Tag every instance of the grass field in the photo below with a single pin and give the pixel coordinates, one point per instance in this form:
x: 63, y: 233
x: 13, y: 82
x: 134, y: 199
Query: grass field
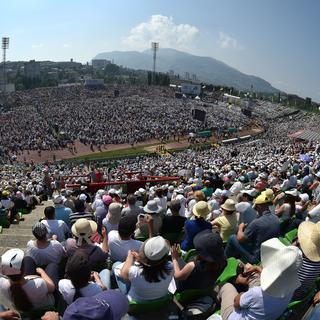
x: 114, y: 154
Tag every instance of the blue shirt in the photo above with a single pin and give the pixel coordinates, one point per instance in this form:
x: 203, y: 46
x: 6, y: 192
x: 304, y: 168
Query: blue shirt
x: 258, y: 305
x: 262, y: 229
x: 63, y: 213
x: 192, y: 228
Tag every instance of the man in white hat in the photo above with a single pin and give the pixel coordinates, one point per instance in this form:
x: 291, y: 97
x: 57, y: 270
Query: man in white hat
x: 279, y: 279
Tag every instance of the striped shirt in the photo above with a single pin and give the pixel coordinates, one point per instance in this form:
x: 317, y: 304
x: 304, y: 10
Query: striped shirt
x: 78, y: 215
x: 307, y: 274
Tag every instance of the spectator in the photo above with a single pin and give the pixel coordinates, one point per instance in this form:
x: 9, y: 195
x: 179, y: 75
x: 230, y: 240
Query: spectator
x: 248, y: 240
x: 55, y: 227
x: 61, y: 212
x: 193, y: 227
x: 227, y: 224
x: 22, y: 292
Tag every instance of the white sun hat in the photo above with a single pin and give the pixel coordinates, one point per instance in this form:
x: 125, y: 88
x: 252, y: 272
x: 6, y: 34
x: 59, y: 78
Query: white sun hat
x: 11, y: 262
x: 279, y: 276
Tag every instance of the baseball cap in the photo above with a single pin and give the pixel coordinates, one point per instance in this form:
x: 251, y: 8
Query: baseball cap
x: 11, y: 262
x: 107, y: 305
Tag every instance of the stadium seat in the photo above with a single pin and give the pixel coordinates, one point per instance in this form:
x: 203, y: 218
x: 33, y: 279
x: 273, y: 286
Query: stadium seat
x: 291, y: 235
x: 285, y: 241
x: 189, y: 295
x: 294, y: 306
x: 229, y: 271
x: 191, y: 253
x: 140, y: 307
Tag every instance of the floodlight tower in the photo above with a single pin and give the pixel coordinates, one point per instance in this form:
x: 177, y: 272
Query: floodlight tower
x: 154, y: 47
x: 5, y: 46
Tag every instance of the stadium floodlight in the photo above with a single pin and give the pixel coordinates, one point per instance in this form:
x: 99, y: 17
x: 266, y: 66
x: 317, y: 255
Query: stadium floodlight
x: 5, y: 46
x: 154, y: 47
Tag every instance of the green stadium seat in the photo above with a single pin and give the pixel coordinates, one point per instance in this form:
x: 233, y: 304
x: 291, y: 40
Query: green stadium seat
x: 140, y: 307
x: 189, y: 295
x: 229, y: 271
x: 191, y: 253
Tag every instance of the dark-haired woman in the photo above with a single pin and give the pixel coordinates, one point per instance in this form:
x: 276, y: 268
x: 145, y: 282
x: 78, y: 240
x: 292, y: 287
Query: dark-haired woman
x: 22, y: 291
x: 78, y: 282
x: 148, y: 273
x: 203, y: 271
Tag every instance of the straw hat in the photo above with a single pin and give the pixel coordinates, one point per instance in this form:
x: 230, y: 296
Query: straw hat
x: 83, y: 229
x: 279, y: 276
x: 201, y: 209
x: 229, y: 205
x: 309, y: 239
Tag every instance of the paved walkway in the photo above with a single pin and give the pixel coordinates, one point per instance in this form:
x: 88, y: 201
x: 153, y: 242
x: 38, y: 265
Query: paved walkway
x: 18, y: 235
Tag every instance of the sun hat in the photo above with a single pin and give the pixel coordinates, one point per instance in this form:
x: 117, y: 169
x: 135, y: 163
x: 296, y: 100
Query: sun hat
x: 250, y: 192
x: 83, y: 197
x: 101, y: 192
x: 83, y: 229
x: 111, y: 191
x: 229, y: 205
x: 106, y: 305
x: 11, y: 262
x: 269, y: 193
x: 106, y: 199
x: 262, y: 199
x: 39, y: 230
x: 209, y: 245
x: 279, y: 276
x: 82, y: 188
x: 217, y: 193
x: 57, y: 199
x: 309, y: 239
x: 6, y: 193
x: 114, y: 213
x: 293, y: 192
x: 201, y: 209
x: 152, y: 207
x: 141, y: 190
x: 304, y: 197
x: 153, y: 251
x: 180, y: 190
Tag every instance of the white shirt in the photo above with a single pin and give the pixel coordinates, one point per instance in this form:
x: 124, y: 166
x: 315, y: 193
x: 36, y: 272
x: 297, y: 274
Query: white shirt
x: 42, y: 257
x: 67, y: 290
x: 119, y: 248
x: 57, y: 227
x: 162, y: 202
x: 36, y: 289
x: 141, y: 290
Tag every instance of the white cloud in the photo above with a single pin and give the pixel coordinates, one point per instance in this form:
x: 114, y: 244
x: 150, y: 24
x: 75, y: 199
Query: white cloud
x: 66, y: 45
x: 161, y: 29
x: 36, y: 46
x: 227, y: 42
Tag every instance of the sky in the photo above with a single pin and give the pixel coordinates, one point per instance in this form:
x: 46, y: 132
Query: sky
x: 278, y: 40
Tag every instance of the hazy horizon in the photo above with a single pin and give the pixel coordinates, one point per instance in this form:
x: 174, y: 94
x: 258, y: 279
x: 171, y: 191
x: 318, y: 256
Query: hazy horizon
x: 274, y: 40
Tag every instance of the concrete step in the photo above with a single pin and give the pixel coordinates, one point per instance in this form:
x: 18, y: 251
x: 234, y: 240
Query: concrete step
x: 17, y: 232
x: 15, y: 241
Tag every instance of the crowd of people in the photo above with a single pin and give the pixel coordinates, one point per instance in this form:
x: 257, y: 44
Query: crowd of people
x: 54, y: 118
x: 170, y: 238
x: 249, y: 209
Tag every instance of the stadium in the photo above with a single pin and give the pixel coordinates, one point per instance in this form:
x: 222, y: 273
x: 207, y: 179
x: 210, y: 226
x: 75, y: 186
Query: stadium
x: 143, y: 193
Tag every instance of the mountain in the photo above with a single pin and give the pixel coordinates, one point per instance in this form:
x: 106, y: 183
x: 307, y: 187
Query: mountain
x: 206, y: 69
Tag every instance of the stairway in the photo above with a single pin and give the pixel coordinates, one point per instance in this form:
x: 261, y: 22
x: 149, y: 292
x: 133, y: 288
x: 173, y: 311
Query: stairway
x: 17, y: 235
